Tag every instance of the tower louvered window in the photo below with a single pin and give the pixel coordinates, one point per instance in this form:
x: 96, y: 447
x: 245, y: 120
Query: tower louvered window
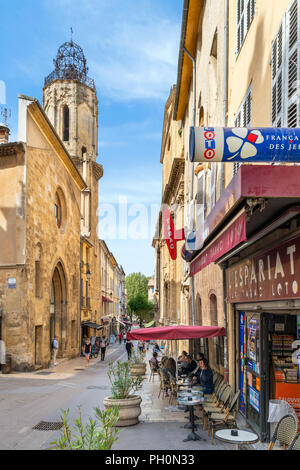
x: 285, y: 107
x: 245, y: 15
x: 243, y: 118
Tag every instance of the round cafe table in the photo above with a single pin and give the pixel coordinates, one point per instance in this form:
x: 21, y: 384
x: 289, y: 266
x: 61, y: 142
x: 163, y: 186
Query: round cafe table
x: 243, y: 437
x: 190, y: 404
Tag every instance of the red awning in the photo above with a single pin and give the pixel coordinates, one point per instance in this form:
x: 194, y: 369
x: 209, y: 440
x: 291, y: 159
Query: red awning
x: 106, y: 299
x: 176, y: 332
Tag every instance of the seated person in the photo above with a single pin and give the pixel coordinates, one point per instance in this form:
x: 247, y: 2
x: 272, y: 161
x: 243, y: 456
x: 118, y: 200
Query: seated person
x: 204, y: 377
x: 199, y: 357
x: 154, y: 361
x: 182, y: 360
x: 190, y: 366
x: 169, y: 368
x: 163, y: 361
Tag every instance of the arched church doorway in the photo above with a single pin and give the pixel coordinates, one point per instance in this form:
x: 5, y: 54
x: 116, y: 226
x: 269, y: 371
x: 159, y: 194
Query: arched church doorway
x: 58, y: 309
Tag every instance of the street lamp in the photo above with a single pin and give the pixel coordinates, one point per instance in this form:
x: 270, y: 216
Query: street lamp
x: 88, y: 274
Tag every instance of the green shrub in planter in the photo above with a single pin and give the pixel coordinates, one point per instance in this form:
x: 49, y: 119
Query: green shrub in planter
x: 99, y: 434
x: 123, y: 384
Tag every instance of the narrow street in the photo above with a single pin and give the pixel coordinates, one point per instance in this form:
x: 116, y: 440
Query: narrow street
x: 41, y: 395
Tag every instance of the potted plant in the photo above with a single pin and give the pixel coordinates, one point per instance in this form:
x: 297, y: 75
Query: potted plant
x: 123, y: 388
x: 96, y: 434
x: 137, y: 364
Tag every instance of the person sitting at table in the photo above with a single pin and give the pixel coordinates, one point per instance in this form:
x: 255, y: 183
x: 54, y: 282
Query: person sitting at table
x: 155, y: 361
x: 199, y: 357
x: 190, y: 366
x: 182, y: 362
x: 204, y: 377
x: 169, y: 368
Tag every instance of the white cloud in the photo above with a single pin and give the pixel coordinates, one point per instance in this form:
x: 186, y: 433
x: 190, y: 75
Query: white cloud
x: 132, y: 47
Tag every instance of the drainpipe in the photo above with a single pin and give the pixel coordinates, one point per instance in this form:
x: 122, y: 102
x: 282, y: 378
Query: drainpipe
x: 225, y: 97
x: 224, y: 265
x: 226, y: 372
x: 192, y: 177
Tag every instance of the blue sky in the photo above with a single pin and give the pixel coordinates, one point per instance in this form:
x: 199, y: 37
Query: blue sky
x: 132, y: 52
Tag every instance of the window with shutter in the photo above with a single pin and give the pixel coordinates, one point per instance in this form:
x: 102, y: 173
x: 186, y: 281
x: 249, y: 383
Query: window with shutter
x: 245, y: 15
x: 243, y: 119
x: 285, y: 107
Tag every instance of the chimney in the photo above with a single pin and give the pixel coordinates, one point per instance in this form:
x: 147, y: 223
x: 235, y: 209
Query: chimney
x: 4, y: 133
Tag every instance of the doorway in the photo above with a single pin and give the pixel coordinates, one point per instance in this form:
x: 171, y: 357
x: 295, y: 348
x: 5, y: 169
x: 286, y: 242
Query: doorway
x: 58, y: 310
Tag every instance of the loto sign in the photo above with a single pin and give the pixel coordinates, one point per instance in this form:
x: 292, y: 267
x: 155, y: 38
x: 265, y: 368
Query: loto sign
x: 220, y: 144
x: 270, y: 275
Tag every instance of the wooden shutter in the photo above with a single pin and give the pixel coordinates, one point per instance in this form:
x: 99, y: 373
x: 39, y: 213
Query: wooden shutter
x: 292, y: 64
x: 245, y: 14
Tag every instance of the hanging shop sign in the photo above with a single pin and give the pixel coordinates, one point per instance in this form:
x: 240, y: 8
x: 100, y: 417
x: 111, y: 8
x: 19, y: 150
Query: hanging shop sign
x: 229, y: 239
x: 271, y: 275
x: 172, y: 236
x: 219, y: 144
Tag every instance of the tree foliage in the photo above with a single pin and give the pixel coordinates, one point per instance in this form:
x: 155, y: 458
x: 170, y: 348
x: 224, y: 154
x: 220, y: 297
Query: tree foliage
x: 136, y: 283
x: 140, y: 306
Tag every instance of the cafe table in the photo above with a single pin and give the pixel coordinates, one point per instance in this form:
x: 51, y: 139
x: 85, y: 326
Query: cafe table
x: 190, y: 402
x: 243, y: 437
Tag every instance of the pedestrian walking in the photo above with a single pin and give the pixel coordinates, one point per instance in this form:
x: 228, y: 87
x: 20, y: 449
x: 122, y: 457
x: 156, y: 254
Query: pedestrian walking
x: 141, y: 346
x: 120, y: 338
x: 147, y: 344
x: 54, y: 349
x: 103, y: 344
x: 87, y: 349
x: 129, y: 348
x: 124, y: 338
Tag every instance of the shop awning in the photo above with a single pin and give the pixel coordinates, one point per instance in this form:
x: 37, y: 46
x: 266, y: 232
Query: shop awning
x: 263, y: 191
x: 231, y: 237
x: 151, y: 323
x: 92, y: 325
x: 106, y: 299
x: 176, y: 332
x: 107, y: 319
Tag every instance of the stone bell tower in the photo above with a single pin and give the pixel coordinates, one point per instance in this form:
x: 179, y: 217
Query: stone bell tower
x: 70, y: 102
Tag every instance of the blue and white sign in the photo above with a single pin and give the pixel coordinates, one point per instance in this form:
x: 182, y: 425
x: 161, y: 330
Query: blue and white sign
x: 220, y: 144
x: 254, y: 399
x: 12, y: 283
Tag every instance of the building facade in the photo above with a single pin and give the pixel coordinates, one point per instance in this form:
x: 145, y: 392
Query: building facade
x: 40, y: 230
x: 250, y: 51
x: 168, y: 279
x: 114, y: 302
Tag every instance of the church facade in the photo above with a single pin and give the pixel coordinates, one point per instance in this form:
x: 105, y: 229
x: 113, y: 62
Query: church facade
x: 50, y: 266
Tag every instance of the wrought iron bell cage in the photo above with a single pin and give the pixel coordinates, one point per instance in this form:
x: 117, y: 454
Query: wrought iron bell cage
x: 70, y: 64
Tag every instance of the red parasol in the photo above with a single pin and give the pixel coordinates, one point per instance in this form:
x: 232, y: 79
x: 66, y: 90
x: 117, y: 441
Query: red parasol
x: 176, y: 332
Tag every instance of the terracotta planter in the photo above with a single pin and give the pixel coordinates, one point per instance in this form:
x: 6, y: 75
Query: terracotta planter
x: 138, y: 369
x: 129, y: 409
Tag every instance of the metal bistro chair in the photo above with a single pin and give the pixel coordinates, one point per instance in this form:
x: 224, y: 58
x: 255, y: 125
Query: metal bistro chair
x: 218, y: 407
x: 163, y: 383
x: 295, y: 445
x: 214, y: 397
x: 227, y: 418
x: 153, y: 371
x: 285, y: 432
x: 173, y: 387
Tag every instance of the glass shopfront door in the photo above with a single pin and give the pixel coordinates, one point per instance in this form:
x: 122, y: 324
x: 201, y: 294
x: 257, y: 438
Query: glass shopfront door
x: 253, y: 363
